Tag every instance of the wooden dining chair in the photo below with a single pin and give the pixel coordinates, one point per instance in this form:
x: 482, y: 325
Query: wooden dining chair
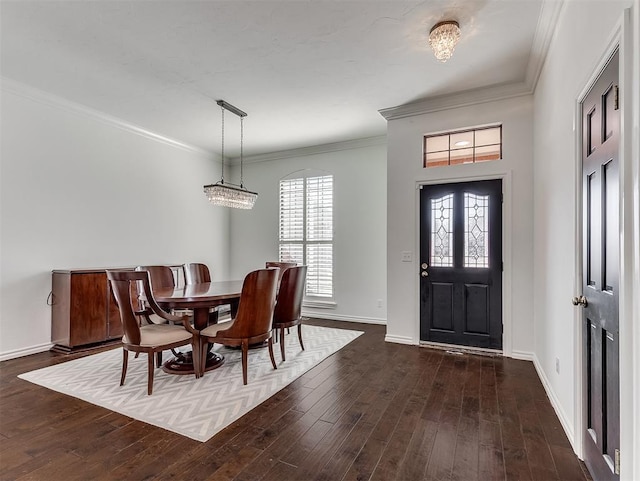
x: 195, y: 273
x: 150, y: 338
x: 160, y: 277
x: 287, y: 312
x: 252, y: 324
x: 283, y: 266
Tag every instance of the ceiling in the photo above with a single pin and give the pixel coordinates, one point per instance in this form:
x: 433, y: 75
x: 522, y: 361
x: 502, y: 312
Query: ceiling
x: 306, y: 72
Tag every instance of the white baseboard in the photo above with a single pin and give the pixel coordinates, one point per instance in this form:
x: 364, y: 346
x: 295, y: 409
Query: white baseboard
x: 522, y: 355
x: 557, y: 407
x: 5, y: 356
x: 340, y: 317
x: 400, y: 340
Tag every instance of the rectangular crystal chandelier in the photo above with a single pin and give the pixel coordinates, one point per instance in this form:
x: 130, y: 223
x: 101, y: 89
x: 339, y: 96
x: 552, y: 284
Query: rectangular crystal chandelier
x: 227, y: 194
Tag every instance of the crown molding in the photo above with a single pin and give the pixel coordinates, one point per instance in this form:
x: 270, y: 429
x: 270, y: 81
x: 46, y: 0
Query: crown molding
x: 26, y: 91
x: 545, y: 31
x: 458, y: 99
x: 314, y: 150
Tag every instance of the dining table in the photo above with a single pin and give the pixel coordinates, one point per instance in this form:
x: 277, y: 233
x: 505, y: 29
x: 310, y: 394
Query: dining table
x: 200, y: 298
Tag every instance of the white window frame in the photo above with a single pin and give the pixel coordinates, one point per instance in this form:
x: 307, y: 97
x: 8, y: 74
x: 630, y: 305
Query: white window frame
x: 318, y: 297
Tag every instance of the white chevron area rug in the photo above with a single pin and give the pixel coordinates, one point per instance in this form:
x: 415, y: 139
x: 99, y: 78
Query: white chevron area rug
x: 197, y: 408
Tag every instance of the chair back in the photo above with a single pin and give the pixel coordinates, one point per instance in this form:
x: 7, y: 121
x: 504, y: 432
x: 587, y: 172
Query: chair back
x: 283, y: 266
x: 289, y: 301
x: 195, y: 273
x: 257, y: 301
x: 160, y: 276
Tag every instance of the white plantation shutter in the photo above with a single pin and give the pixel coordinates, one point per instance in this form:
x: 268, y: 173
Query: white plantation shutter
x: 320, y: 270
x: 306, y: 230
x: 320, y: 208
x: 292, y: 210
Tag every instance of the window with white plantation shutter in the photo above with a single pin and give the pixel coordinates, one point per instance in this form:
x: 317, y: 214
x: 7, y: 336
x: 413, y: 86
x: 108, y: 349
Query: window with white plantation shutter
x: 306, y: 230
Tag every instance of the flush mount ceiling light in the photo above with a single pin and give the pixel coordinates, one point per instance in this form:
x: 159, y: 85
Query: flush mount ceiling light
x: 443, y: 39
x: 227, y: 194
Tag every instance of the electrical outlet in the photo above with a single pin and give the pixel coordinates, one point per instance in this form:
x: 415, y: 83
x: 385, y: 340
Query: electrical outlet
x: 379, y: 302
x: 557, y: 365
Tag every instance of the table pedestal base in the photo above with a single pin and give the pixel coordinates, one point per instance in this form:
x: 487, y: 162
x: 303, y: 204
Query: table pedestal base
x: 183, y: 363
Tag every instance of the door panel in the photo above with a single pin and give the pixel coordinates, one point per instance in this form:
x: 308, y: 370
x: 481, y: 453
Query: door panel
x: 476, y: 308
x: 601, y: 257
x: 461, y: 263
x: 594, y: 229
x: 442, y: 313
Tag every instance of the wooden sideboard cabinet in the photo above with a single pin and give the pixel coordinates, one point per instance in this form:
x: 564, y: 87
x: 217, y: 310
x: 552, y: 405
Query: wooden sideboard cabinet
x: 83, y: 310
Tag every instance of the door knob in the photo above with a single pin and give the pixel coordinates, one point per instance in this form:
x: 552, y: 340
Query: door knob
x: 424, y: 273
x: 579, y: 301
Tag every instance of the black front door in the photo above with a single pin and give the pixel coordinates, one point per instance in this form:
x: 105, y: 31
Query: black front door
x: 461, y: 263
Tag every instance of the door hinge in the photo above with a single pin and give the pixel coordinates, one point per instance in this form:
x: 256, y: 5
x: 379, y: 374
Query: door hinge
x: 616, y: 98
x: 617, y: 462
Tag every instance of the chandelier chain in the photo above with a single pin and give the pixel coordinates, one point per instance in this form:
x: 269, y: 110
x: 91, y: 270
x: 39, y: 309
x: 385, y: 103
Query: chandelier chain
x: 241, y: 149
x: 222, y: 148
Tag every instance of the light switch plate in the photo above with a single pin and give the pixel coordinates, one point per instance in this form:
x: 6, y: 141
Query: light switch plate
x: 407, y: 256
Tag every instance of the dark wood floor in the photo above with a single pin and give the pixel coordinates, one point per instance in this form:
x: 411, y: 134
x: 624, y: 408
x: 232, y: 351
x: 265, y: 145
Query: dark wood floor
x: 374, y: 410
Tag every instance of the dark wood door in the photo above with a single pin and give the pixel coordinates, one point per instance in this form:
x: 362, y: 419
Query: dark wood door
x: 601, y: 257
x: 461, y: 263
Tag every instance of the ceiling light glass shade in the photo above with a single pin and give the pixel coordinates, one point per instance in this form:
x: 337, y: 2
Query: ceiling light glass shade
x: 226, y: 195
x: 443, y: 39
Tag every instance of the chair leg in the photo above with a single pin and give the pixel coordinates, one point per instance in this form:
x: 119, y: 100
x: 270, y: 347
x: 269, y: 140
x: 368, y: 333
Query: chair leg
x: 300, y: 335
x: 150, y: 374
x: 159, y: 359
x: 203, y: 349
x: 273, y: 359
x: 125, y: 363
x: 282, y: 344
x: 195, y: 355
x: 245, y: 353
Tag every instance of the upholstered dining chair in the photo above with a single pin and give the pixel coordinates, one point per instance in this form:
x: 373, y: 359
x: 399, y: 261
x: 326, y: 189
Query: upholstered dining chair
x: 161, y: 277
x: 287, y: 312
x: 252, y: 323
x: 195, y: 273
x: 283, y: 266
x: 150, y: 338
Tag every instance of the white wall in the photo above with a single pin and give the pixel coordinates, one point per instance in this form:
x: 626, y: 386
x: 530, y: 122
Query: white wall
x: 359, y: 173
x: 405, y: 172
x: 78, y: 191
x: 581, y: 39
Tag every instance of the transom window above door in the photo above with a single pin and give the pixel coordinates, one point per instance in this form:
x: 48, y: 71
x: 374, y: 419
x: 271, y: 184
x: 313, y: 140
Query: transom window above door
x: 463, y: 146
